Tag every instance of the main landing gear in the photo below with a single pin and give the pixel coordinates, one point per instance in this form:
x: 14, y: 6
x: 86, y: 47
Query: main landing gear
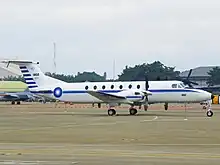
x: 166, y: 106
x: 13, y: 102
x: 132, y: 110
x: 112, y: 111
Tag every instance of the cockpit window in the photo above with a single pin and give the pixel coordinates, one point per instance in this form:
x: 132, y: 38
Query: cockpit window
x: 174, y: 85
x: 182, y: 85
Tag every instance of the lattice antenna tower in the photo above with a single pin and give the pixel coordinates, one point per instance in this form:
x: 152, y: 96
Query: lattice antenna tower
x: 54, y: 57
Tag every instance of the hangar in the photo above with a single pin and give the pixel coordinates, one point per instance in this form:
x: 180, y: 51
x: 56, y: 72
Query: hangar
x: 199, y: 75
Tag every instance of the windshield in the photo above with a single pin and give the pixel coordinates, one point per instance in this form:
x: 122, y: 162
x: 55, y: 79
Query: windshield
x: 183, y: 86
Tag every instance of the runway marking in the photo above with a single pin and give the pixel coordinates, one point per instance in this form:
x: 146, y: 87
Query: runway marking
x: 21, y: 162
x: 155, y: 118
x: 126, y: 153
x: 16, y: 162
x: 172, y: 120
x: 157, y: 155
x: 113, y: 123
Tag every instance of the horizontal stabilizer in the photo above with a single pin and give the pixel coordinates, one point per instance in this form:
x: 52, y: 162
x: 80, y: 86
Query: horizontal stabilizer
x: 17, y: 61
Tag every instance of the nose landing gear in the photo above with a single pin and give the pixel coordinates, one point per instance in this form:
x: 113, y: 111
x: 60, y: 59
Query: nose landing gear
x: 209, y: 112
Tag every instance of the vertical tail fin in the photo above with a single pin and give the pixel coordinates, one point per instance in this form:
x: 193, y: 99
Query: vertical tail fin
x: 33, y: 75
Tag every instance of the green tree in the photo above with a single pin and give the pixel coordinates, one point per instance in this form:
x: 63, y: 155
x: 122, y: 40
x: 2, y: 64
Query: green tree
x: 62, y: 77
x: 89, y: 76
x: 14, y: 78
x: 214, y: 78
x: 154, y: 71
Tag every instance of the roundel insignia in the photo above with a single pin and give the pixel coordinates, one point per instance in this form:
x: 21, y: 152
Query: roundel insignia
x: 57, y: 92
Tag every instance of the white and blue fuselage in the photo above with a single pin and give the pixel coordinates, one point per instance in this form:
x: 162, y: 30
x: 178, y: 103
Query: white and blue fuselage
x: 129, y: 92
x: 99, y: 92
x: 162, y: 91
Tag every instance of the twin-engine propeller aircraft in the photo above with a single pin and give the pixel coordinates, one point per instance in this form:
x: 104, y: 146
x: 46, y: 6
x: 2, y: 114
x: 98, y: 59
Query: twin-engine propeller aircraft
x: 134, y: 93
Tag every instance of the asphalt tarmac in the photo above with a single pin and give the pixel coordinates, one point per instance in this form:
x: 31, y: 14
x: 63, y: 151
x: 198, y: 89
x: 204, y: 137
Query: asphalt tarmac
x: 43, y: 134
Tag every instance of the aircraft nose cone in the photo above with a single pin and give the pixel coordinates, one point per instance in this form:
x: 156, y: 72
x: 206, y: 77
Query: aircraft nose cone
x: 207, y: 95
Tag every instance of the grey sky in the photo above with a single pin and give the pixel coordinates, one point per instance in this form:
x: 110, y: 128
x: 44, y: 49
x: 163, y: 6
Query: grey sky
x: 90, y: 33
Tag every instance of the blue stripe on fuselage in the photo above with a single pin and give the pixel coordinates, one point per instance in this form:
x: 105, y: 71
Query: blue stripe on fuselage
x: 116, y: 91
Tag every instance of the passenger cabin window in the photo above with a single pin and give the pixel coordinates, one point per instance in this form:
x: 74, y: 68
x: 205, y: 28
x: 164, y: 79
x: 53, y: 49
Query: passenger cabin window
x: 174, y: 85
x: 138, y: 86
x: 103, y: 87
x: 86, y: 87
x: 130, y: 86
x: 112, y: 86
x: 95, y: 87
x: 120, y: 86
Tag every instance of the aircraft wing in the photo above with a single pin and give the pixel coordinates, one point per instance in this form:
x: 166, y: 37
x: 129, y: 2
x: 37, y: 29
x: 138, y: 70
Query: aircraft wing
x: 106, y: 97
x: 9, y: 96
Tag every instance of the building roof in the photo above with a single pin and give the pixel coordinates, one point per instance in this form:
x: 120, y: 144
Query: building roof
x: 198, y: 72
x: 12, y: 70
x: 12, y: 86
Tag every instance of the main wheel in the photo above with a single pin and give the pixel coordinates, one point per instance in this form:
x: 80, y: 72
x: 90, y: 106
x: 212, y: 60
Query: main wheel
x: 209, y: 113
x: 133, y: 111
x: 166, y: 106
x: 99, y: 105
x: 145, y: 107
x: 111, y: 112
x: 18, y: 102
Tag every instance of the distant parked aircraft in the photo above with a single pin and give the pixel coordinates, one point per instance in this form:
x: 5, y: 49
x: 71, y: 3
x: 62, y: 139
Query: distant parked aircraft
x: 16, y: 97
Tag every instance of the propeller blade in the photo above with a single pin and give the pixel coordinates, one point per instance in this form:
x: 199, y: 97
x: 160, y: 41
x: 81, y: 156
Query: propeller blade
x: 190, y: 72
x: 194, y: 83
x: 146, y: 83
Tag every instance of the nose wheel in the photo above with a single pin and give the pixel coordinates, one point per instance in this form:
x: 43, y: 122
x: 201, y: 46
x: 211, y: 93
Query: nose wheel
x: 209, y: 113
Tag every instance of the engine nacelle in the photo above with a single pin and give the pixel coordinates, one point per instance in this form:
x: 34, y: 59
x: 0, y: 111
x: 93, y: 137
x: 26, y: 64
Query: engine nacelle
x: 133, y: 95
